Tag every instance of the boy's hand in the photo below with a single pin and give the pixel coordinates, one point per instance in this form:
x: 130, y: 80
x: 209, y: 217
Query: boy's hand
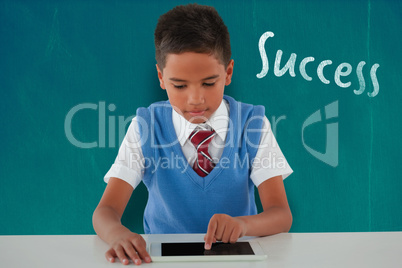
x: 127, y: 246
x: 224, y: 228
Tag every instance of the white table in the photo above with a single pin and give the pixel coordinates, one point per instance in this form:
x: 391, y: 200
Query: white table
x: 379, y: 250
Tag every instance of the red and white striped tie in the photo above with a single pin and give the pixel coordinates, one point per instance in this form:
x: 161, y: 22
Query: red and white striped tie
x: 204, y: 163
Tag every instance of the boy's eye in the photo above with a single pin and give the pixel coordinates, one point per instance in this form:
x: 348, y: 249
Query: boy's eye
x: 179, y: 86
x: 209, y: 84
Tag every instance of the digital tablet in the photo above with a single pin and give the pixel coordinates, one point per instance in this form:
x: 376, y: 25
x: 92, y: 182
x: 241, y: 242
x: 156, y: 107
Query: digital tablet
x: 194, y: 251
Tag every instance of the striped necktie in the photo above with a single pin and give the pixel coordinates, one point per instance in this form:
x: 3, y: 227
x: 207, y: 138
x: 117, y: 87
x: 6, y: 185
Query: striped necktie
x: 201, y: 139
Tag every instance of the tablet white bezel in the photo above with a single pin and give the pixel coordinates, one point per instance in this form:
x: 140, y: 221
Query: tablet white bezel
x: 155, y: 251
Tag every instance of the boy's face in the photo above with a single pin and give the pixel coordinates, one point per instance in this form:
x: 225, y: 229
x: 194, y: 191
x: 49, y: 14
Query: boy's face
x: 195, y: 83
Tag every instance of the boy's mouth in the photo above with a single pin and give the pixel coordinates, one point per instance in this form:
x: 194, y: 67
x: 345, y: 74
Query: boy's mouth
x: 197, y: 113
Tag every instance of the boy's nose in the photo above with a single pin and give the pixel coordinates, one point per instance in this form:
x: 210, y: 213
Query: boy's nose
x: 196, y: 97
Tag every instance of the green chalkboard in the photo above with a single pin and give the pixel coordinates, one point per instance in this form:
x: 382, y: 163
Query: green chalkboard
x: 73, y: 73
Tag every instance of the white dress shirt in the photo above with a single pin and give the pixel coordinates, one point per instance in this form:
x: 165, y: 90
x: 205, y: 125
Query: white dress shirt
x: 269, y: 161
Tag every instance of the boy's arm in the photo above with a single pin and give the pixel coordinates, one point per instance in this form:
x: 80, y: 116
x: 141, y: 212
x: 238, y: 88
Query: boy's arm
x: 107, y: 224
x: 275, y: 218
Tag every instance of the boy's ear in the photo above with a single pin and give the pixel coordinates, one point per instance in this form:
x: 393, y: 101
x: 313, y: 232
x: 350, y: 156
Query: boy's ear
x: 160, y: 77
x: 229, y: 73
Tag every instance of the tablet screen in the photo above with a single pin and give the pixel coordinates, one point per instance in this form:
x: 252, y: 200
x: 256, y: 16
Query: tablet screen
x: 197, y: 249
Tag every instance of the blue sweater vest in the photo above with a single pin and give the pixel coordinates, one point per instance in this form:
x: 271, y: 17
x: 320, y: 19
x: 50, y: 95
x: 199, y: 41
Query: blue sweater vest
x: 179, y: 200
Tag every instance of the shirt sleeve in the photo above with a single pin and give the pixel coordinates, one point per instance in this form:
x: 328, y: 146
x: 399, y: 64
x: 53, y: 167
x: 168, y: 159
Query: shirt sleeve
x: 129, y: 163
x: 269, y: 161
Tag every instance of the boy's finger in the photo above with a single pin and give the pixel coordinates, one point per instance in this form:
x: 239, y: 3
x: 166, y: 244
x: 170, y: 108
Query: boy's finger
x: 210, y: 236
x: 220, y: 231
x: 110, y: 255
x: 142, y: 252
x: 226, y: 235
x: 132, y: 254
x: 235, y: 235
x: 121, y: 255
x: 140, y: 246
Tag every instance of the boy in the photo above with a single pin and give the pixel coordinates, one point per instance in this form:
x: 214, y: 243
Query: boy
x: 199, y: 154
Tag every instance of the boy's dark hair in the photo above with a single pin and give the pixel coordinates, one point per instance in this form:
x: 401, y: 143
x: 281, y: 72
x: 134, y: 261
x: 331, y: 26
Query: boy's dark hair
x: 192, y: 28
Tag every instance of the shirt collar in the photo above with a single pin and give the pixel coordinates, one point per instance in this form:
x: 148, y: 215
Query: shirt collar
x: 219, y: 122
